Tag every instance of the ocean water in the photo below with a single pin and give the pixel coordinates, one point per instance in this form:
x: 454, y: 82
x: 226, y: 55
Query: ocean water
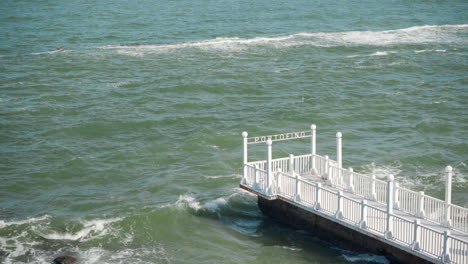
x: 125, y: 146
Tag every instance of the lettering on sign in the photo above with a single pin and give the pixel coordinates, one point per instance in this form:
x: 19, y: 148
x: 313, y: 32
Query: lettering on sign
x: 278, y: 137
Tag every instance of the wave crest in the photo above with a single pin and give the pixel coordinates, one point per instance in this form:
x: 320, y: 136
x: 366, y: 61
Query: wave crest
x: 412, y: 35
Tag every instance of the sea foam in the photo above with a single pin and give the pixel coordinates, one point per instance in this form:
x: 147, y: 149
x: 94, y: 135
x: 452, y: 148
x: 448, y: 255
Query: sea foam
x: 412, y: 35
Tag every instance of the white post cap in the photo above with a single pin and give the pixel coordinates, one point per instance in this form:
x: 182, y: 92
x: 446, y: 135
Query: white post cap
x: 391, y: 177
x: 448, y: 169
x: 245, y: 134
x: 313, y: 126
x: 269, y: 142
x: 338, y: 135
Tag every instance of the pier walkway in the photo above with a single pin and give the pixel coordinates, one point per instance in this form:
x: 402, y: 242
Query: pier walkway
x: 432, y: 229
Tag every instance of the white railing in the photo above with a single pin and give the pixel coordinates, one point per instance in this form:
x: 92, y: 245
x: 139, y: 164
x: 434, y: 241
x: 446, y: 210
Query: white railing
x: 415, y: 203
x: 351, y: 210
x: 376, y: 219
x: 308, y: 193
x: 459, y: 217
x: 434, y: 209
x: 431, y: 241
x: 286, y: 177
x: 280, y: 164
x: 458, y: 251
x: 302, y: 164
x: 412, y: 234
x: 403, y: 230
x: 409, y: 201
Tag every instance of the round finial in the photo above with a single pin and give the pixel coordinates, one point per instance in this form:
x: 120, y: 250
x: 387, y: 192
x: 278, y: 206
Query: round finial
x: 338, y: 135
x: 245, y: 134
x: 391, y: 177
x: 269, y: 142
x: 448, y: 169
x: 313, y: 127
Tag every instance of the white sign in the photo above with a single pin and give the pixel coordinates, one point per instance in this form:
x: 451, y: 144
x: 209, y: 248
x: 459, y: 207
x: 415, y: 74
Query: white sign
x: 279, y: 137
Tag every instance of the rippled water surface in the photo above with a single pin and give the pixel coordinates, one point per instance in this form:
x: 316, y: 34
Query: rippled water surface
x: 125, y: 146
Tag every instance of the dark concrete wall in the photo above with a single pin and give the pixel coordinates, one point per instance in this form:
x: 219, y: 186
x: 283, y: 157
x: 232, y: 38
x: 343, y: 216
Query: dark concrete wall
x: 334, y: 232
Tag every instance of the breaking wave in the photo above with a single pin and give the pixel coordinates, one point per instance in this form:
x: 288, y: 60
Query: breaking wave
x: 90, y: 229
x: 413, y: 35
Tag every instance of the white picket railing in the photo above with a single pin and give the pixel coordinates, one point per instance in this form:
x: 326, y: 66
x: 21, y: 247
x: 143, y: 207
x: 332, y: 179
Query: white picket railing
x: 415, y: 203
x: 290, y: 178
x: 459, y: 217
x: 410, y: 233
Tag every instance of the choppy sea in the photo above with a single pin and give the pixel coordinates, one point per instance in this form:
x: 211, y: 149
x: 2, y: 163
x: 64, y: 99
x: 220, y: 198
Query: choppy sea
x: 125, y: 145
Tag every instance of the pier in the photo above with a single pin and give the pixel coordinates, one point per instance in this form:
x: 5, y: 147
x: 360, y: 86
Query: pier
x: 318, y: 194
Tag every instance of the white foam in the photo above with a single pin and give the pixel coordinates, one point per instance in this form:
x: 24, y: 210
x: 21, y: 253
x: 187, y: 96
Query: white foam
x: 423, y: 51
x: 91, y: 229
x: 237, y: 176
x: 188, y: 201
x: 378, y: 53
x: 367, y: 257
x: 26, y: 221
x: 412, y: 35
x: 292, y: 248
x: 382, y: 53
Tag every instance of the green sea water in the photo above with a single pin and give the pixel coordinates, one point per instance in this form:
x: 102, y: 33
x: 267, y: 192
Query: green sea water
x: 125, y: 146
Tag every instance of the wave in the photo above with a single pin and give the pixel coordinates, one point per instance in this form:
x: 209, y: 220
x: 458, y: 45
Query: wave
x: 412, y: 35
x: 378, y: 53
x: 424, y: 51
x: 23, y: 222
x: 236, y: 176
x: 188, y: 201
x: 366, y: 258
x: 91, y: 229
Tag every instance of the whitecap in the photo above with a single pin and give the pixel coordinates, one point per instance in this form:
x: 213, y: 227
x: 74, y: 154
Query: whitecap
x: 26, y: 221
x: 412, y: 35
x: 91, y: 229
x: 424, y: 51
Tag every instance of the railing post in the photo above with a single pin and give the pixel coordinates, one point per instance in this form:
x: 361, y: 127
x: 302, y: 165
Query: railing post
x: 448, y: 195
x: 421, y: 212
x: 279, y: 181
x: 255, y: 178
x: 416, y: 235
x: 373, y: 195
x: 297, y: 197
x: 446, y: 250
x: 396, y: 198
x: 388, y: 233
x: 362, y: 223
x: 339, y: 210
x: 326, y: 174
x: 313, y: 127
x: 269, y: 168
x: 245, y: 160
x: 318, y: 195
x: 351, y: 180
x: 291, y: 164
x: 338, y: 149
